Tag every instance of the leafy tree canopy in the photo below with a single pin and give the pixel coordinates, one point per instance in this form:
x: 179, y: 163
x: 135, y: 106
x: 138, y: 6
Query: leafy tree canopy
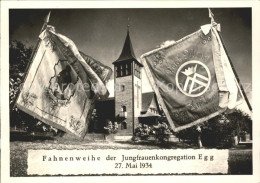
x: 19, y: 57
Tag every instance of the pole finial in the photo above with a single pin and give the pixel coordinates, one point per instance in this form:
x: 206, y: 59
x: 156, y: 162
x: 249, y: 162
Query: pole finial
x: 47, y: 18
x: 46, y: 21
x: 211, y: 16
x: 128, y: 23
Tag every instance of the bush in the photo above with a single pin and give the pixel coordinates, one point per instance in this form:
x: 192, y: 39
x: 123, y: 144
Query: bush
x: 219, y: 131
x: 19, y: 57
x: 189, y: 134
x: 161, y: 132
x: 216, y: 134
x: 143, y: 132
x: 110, y: 128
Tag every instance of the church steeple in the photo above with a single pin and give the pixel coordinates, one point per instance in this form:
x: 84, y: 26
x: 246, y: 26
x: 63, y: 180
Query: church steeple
x: 128, y: 91
x: 127, y: 52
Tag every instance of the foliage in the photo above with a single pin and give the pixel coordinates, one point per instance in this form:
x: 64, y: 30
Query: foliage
x: 218, y: 131
x: 19, y: 56
x: 161, y: 132
x: 110, y: 128
x: 241, y: 122
x: 189, y: 134
x: 143, y: 131
x: 240, y: 162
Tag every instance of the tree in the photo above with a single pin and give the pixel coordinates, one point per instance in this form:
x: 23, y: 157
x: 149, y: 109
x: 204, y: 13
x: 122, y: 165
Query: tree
x: 240, y: 122
x: 219, y: 131
x: 19, y: 57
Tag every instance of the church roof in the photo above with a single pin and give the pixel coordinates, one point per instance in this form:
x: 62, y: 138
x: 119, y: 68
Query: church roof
x: 146, y: 100
x: 149, y: 114
x: 127, y: 52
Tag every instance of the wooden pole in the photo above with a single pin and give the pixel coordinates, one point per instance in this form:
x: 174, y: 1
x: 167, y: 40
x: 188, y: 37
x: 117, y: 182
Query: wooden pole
x: 199, y: 137
x: 35, y: 49
x: 235, y: 73
x: 213, y: 23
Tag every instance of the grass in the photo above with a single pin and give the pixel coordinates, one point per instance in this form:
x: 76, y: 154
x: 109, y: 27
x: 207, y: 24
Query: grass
x: 240, y: 160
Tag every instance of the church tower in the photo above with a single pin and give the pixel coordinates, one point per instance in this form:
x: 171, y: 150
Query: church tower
x: 128, y: 91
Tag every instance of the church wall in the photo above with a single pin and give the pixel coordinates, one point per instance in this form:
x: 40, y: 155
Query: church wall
x: 137, y: 99
x: 124, y: 98
x: 105, y: 111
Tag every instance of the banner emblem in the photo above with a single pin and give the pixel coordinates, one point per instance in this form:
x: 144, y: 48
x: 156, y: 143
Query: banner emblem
x: 193, y: 78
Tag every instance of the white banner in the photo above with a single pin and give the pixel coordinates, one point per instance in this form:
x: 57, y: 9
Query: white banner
x: 96, y: 162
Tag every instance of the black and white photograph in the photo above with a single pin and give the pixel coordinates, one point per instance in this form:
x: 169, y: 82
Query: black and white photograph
x: 116, y: 91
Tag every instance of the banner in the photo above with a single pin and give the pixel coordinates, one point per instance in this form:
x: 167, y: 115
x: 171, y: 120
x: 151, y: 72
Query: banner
x: 61, y: 87
x: 192, y: 78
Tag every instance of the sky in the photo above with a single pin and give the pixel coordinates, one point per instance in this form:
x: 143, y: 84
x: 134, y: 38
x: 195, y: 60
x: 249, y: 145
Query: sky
x: 100, y: 33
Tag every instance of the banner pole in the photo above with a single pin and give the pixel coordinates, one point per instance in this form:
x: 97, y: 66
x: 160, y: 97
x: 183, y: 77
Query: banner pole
x: 35, y: 48
x: 213, y: 23
x: 236, y: 75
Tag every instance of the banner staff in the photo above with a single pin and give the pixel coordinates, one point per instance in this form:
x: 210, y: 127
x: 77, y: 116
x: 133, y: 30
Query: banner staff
x: 213, y: 23
x: 35, y: 48
x: 211, y: 16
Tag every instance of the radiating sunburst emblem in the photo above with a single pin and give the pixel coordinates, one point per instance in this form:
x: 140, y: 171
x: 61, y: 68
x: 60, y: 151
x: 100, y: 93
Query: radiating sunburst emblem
x: 193, y: 78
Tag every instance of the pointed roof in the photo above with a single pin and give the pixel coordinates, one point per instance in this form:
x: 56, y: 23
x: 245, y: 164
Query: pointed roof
x: 146, y: 100
x: 127, y: 51
x: 149, y: 114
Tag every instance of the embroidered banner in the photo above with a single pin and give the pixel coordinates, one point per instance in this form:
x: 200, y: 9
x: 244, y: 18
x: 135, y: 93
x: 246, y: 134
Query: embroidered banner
x: 192, y: 78
x: 61, y: 87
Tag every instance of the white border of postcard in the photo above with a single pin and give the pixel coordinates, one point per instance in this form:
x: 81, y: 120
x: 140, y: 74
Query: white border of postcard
x: 5, y: 162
